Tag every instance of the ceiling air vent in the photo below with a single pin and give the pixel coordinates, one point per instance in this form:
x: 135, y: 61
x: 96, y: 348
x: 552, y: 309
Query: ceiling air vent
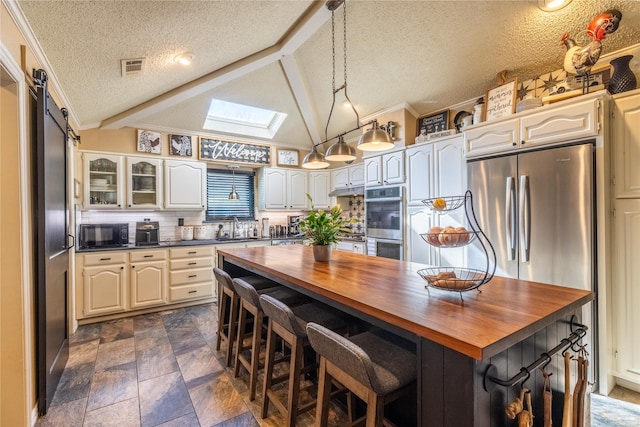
x: 132, y: 67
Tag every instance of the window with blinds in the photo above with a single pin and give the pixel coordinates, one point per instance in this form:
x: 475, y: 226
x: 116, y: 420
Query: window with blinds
x: 218, y: 188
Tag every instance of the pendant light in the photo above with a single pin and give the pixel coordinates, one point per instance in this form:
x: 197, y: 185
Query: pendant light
x: 341, y: 151
x: 314, y: 160
x: 233, y: 195
x: 375, y: 139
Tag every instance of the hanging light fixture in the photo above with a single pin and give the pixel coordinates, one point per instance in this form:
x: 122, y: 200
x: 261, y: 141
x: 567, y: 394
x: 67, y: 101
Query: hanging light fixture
x: 314, y: 160
x: 374, y: 139
x: 233, y: 195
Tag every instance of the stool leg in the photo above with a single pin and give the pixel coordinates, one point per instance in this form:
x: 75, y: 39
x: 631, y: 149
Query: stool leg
x: 242, y: 323
x: 221, y: 309
x: 295, y: 365
x: 255, y: 354
x: 324, y: 394
x: 233, y: 322
x: 268, y: 368
x: 375, y: 410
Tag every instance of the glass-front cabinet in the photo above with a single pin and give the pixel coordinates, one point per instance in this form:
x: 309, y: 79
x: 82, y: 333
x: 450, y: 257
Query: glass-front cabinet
x: 103, y: 181
x: 144, y: 183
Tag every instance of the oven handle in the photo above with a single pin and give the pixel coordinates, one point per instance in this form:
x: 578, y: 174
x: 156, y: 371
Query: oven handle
x: 383, y: 199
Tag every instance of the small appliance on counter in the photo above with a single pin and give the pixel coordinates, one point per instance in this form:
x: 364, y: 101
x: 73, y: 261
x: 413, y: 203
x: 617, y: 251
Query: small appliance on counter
x: 265, y: 227
x: 96, y: 236
x: 186, y: 232
x: 294, y: 224
x: 200, y: 232
x: 147, y: 233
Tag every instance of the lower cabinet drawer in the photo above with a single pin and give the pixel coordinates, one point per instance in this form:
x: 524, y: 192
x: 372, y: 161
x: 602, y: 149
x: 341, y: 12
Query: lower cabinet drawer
x: 193, y: 275
x: 194, y: 291
x: 191, y: 263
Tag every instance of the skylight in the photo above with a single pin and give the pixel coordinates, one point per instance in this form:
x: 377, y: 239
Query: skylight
x: 241, y: 119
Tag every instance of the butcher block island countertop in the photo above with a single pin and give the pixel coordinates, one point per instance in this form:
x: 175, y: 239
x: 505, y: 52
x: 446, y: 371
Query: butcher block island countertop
x: 481, y: 326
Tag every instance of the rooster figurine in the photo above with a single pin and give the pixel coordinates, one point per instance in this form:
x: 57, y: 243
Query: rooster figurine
x: 578, y: 59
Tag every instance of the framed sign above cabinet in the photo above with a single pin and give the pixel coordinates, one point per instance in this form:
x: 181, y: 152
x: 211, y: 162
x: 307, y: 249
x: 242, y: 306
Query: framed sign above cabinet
x: 287, y: 157
x: 234, y: 151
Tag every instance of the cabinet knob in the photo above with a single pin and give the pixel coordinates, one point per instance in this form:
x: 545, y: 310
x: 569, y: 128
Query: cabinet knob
x: 121, y: 268
x: 513, y: 143
x: 119, y: 206
x: 133, y: 266
x: 129, y: 205
x: 522, y: 142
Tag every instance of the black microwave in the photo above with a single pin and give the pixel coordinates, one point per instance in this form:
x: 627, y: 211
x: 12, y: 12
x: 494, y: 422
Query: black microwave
x: 94, y: 236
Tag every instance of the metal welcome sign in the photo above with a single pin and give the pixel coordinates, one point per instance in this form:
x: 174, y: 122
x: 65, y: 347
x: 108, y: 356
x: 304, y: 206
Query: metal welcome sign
x: 233, y: 151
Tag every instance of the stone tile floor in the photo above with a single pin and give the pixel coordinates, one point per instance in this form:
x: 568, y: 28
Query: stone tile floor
x: 158, y: 369
x: 162, y: 369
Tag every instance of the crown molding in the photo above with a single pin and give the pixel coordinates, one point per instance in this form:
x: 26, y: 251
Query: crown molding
x: 16, y: 13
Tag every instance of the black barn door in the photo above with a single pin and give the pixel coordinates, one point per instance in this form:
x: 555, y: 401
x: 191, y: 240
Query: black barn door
x: 52, y: 250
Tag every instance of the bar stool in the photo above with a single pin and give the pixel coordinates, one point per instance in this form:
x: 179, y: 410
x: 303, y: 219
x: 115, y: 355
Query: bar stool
x: 375, y: 369
x: 230, y: 302
x: 250, y: 305
x: 289, y: 324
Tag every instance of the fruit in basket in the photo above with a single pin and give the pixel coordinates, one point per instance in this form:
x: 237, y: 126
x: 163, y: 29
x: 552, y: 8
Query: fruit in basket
x: 433, y: 236
x: 448, y: 236
x: 463, y: 235
x: 439, y: 204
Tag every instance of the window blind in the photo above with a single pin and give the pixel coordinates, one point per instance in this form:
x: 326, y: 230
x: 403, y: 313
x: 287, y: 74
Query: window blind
x: 218, y: 188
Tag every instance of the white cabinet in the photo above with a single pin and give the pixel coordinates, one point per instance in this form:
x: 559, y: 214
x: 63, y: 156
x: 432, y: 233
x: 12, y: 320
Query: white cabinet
x: 144, y: 183
x: 348, y: 176
x: 434, y: 170
x: 559, y: 124
x: 419, y: 221
x: 148, y: 278
x: 626, y: 146
x: 191, y: 273
x: 103, y: 181
x: 419, y: 160
x: 283, y: 189
x: 319, y: 188
x: 185, y: 185
x: 385, y: 169
x: 626, y: 289
x: 104, y: 281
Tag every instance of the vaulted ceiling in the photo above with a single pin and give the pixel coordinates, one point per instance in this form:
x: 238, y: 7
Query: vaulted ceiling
x: 277, y: 55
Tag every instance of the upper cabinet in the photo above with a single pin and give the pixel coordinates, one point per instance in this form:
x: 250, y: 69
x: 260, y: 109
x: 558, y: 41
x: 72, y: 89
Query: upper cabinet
x: 144, y: 183
x: 319, y: 188
x: 626, y: 146
x: 384, y: 169
x: 103, y: 181
x: 552, y: 125
x: 348, y: 176
x: 185, y: 185
x: 419, y: 159
x: 283, y: 189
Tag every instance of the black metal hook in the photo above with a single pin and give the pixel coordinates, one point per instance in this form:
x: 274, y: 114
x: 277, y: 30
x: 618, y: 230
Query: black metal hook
x: 548, y: 360
x: 526, y: 370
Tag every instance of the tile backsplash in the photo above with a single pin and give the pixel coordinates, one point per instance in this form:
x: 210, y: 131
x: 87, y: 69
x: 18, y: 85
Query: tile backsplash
x: 168, y: 221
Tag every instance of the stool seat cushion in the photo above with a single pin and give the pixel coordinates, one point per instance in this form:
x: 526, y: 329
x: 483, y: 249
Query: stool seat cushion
x: 380, y: 361
x: 295, y: 318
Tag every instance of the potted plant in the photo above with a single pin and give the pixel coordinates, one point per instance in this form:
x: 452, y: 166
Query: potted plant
x: 322, y: 228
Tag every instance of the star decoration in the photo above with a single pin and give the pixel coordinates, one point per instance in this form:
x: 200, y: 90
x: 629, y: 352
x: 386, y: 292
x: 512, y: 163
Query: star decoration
x: 550, y: 82
x: 523, y: 91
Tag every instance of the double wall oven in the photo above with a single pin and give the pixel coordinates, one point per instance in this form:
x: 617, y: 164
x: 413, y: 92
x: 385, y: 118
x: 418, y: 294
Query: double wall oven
x: 384, y: 210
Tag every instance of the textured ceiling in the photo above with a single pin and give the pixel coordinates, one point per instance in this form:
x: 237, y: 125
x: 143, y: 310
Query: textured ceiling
x: 431, y: 54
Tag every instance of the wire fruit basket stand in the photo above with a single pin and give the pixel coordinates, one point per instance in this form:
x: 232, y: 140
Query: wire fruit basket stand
x: 458, y: 279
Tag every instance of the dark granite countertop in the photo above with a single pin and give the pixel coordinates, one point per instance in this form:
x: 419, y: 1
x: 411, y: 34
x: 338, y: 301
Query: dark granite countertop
x: 179, y: 243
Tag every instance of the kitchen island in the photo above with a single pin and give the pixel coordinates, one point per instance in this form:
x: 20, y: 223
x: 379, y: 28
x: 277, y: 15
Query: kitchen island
x: 508, y: 324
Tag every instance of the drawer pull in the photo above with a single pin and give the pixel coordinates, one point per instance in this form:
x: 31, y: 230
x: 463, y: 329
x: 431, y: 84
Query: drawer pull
x: 191, y: 276
x: 192, y: 263
x: 192, y: 252
x: 193, y: 292
x: 148, y: 256
x: 105, y: 259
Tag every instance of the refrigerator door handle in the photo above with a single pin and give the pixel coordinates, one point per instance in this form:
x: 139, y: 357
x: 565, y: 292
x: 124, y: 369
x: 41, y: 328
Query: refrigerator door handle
x: 525, y: 218
x: 510, y: 217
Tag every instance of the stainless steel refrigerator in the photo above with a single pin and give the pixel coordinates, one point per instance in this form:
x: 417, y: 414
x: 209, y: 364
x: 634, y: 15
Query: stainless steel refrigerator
x: 537, y: 210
